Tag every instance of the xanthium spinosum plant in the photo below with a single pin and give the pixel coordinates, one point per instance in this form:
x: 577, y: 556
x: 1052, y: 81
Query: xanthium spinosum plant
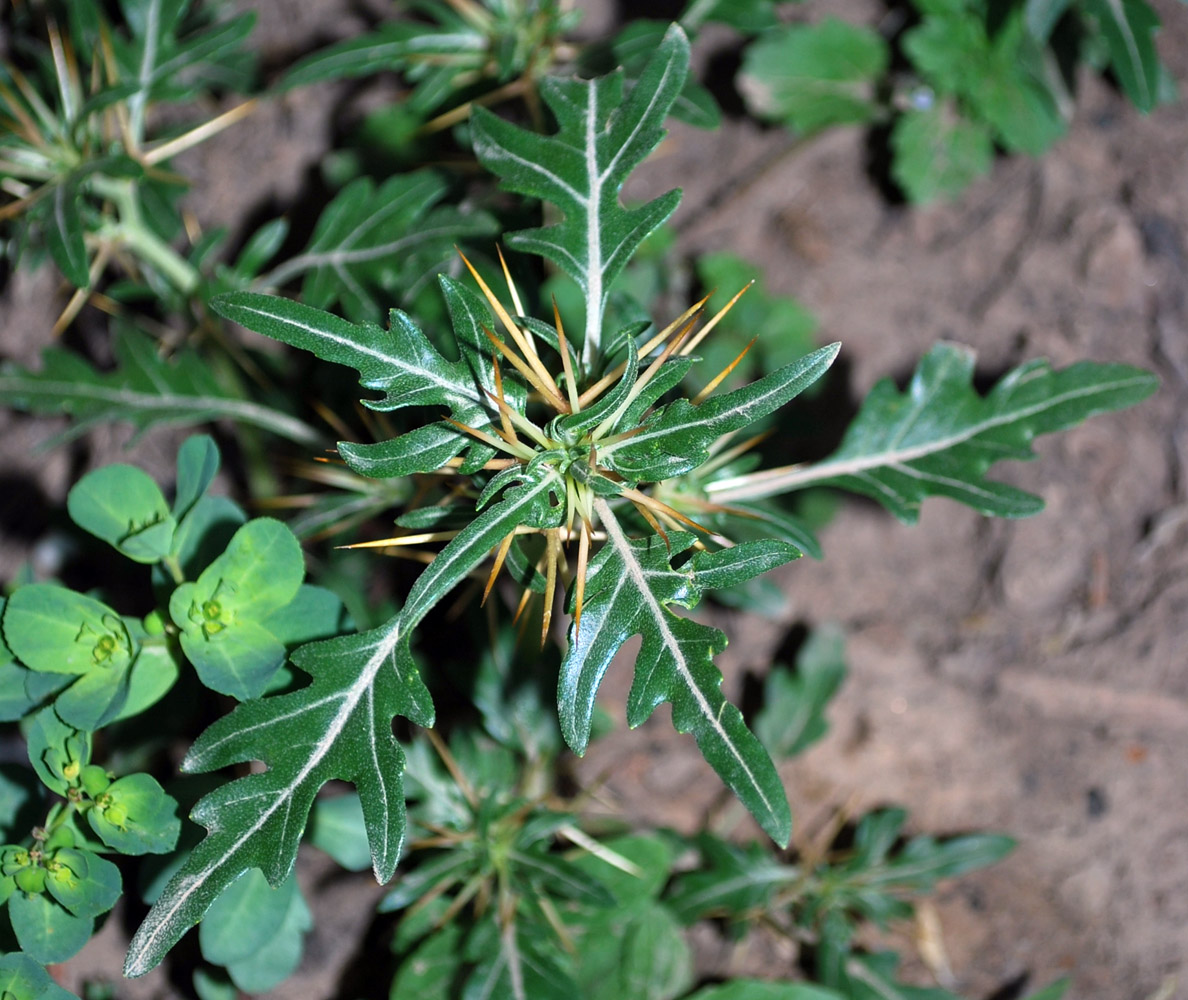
x: 570, y: 463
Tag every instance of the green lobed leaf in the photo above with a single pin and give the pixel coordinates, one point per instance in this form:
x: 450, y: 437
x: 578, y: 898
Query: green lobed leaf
x: 630, y: 584
x: 340, y: 726
x: 447, y: 867
x: 124, y: 507
x: 634, y: 45
x: 731, y: 881
x: 143, y: 389
x: 389, y: 48
x: 164, y: 63
x: 937, y: 153
x: 940, y: 436
x: 375, y: 246
x: 545, y: 874
x: 814, y: 76
x: 516, y: 963
x: 677, y: 440
x: 400, y: 362
x: 793, y: 714
x: 600, y: 138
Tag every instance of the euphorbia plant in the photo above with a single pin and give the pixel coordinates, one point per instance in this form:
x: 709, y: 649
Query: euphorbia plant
x: 563, y: 455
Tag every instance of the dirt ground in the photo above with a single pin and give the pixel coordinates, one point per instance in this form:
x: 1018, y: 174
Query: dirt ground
x: 1025, y: 677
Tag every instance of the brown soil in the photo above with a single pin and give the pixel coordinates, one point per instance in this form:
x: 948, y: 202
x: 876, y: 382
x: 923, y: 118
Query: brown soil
x: 1026, y: 677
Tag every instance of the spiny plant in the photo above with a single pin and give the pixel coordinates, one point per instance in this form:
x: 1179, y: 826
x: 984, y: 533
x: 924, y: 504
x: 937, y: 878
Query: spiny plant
x: 84, y: 169
x: 555, y: 440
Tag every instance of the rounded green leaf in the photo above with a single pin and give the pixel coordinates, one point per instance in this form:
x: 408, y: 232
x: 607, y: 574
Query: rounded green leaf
x: 239, y: 660
x: 135, y: 816
x: 938, y: 154
x: 94, y: 699
x: 83, y: 882
x: 197, y: 464
x: 15, y: 701
x: 220, y: 614
x: 21, y: 977
x: 280, y: 956
x: 244, y: 918
x: 46, y: 930
x: 56, y: 630
x: 122, y: 505
x: 153, y: 673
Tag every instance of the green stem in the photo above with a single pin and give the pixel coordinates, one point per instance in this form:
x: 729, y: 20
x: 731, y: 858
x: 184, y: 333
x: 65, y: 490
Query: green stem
x: 173, y: 565
x: 134, y: 233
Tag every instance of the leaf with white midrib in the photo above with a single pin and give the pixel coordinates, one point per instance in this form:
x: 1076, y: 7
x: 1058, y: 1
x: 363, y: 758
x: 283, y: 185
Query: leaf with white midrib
x: 679, y: 438
x: 630, y: 585
x: 581, y: 169
x: 144, y: 389
x: 372, y: 243
x: 940, y: 437
x: 399, y: 361
x: 339, y: 727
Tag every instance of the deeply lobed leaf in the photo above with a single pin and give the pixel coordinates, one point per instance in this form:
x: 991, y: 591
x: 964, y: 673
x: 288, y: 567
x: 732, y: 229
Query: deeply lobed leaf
x: 940, y: 437
x: 630, y: 585
x: 339, y: 727
x: 600, y: 138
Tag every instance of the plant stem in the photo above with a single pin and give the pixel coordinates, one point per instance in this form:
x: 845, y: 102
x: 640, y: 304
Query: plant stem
x: 173, y: 565
x: 133, y: 233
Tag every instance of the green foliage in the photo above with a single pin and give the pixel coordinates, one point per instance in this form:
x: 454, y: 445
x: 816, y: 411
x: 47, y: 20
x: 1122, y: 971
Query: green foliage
x: 980, y: 76
x: 815, y: 76
x: 23, y: 979
x: 940, y: 437
x: 81, y: 666
x: 601, y: 137
x: 792, y: 717
x: 587, y: 462
x: 777, y: 329
x: 144, y: 389
x: 371, y: 246
x: 82, y: 188
x: 256, y: 931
